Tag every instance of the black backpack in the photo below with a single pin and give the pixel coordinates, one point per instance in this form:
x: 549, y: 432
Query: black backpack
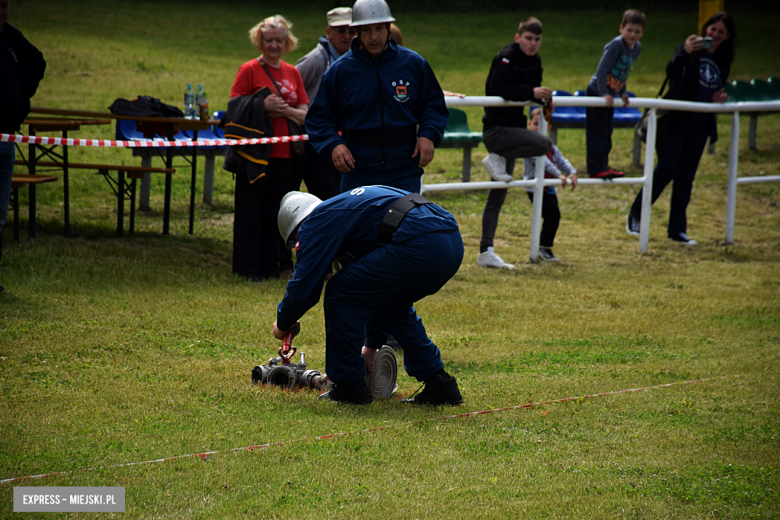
x: 144, y: 106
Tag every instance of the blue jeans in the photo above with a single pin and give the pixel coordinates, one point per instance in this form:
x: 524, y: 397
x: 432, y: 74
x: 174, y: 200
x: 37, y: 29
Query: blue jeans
x: 7, y: 159
x: 375, y: 295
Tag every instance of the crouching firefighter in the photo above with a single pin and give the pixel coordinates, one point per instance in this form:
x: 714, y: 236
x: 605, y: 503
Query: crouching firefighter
x: 395, y: 248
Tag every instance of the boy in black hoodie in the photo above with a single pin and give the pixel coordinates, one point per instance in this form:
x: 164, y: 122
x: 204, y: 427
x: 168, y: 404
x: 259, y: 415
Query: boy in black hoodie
x: 515, y: 75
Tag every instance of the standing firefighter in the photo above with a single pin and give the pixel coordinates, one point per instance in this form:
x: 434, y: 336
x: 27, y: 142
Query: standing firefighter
x: 396, y: 248
x: 385, y: 101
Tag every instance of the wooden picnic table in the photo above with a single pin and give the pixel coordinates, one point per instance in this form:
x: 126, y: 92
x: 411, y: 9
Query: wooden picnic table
x: 48, y: 124
x: 172, y: 124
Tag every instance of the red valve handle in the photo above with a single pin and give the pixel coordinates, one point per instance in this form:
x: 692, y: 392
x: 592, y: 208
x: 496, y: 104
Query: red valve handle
x: 286, y: 351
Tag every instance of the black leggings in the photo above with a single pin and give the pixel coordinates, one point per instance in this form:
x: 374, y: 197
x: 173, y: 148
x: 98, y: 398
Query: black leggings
x: 678, y: 160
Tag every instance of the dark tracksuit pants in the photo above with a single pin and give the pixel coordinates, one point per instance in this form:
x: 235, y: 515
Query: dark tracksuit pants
x: 258, y: 248
x: 551, y: 217
x: 598, y: 135
x: 375, y: 295
x: 678, y: 160
x: 510, y: 143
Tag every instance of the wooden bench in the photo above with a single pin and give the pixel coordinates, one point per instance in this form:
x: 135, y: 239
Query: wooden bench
x: 124, y: 186
x: 62, y: 125
x: 20, y: 181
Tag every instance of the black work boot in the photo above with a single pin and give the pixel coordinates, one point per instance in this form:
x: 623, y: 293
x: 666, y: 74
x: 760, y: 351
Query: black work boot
x: 351, y: 393
x: 440, y: 388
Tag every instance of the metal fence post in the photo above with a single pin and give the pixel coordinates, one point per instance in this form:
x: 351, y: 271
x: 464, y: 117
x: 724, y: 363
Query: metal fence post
x: 536, y: 214
x: 647, y: 189
x: 731, y: 197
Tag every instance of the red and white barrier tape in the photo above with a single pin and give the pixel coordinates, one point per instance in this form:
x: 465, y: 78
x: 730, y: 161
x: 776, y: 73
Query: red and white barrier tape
x: 204, y: 455
x: 146, y: 143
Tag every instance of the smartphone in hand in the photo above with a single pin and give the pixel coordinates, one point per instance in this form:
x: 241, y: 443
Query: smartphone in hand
x: 706, y: 42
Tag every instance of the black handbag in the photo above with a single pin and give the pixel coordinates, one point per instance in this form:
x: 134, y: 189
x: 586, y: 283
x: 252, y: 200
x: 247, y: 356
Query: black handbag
x: 297, y: 148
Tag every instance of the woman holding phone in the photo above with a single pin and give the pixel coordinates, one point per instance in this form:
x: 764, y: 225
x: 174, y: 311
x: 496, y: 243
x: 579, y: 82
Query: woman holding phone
x: 697, y: 72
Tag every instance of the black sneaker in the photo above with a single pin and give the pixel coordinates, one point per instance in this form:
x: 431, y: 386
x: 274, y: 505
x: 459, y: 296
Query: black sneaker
x: 441, y: 388
x: 683, y: 239
x: 546, y: 254
x: 632, y: 225
x: 351, y: 393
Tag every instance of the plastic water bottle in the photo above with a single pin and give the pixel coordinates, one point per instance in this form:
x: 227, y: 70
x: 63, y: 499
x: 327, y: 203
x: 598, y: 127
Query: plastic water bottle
x: 189, y: 99
x: 198, y: 99
x: 204, y: 107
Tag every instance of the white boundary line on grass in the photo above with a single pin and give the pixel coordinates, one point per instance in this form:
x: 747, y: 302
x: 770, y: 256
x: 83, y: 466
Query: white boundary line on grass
x: 204, y: 455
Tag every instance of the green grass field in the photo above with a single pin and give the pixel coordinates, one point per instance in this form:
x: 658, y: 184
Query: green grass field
x: 115, y: 351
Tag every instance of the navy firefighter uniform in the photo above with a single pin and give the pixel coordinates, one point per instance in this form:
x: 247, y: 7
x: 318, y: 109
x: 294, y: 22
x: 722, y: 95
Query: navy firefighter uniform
x: 375, y: 292
x: 381, y: 107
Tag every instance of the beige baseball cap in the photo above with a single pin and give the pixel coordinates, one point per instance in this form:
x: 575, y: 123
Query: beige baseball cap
x: 339, y: 16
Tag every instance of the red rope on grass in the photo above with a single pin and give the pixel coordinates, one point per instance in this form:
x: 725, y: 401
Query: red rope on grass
x: 204, y: 455
x: 146, y: 143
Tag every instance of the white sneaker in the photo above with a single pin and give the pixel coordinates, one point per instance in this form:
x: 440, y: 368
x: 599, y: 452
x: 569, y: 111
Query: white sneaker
x: 490, y: 259
x: 496, y: 167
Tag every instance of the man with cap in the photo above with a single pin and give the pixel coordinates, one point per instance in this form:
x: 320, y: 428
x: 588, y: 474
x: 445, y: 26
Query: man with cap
x: 379, y: 111
x: 395, y: 248
x: 321, y: 177
x: 335, y: 43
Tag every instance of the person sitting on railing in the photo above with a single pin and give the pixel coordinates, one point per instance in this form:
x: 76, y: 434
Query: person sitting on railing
x: 697, y: 72
x: 515, y: 75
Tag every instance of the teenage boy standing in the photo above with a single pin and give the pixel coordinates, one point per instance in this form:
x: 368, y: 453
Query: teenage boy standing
x: 515, y: 75
x: 609, y: 82
x: 321, y: 177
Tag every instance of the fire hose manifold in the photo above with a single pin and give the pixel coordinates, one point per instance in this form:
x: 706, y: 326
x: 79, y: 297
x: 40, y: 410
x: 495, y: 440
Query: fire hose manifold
x: 283, y: 373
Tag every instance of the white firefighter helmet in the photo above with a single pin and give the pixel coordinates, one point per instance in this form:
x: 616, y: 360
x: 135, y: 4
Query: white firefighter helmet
x: 366, y: 12
x: 295, y: 207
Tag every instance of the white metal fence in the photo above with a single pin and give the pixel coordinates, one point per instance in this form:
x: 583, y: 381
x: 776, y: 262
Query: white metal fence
x: 646, y: 180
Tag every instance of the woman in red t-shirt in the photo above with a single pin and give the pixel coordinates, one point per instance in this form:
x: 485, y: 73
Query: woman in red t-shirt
x: 258, y: 250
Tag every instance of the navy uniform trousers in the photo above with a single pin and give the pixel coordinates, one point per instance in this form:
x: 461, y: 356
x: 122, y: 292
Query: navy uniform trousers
x: 375, y: 295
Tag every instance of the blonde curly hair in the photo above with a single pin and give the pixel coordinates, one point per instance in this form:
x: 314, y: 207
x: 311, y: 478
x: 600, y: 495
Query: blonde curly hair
x: 273, y: 22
